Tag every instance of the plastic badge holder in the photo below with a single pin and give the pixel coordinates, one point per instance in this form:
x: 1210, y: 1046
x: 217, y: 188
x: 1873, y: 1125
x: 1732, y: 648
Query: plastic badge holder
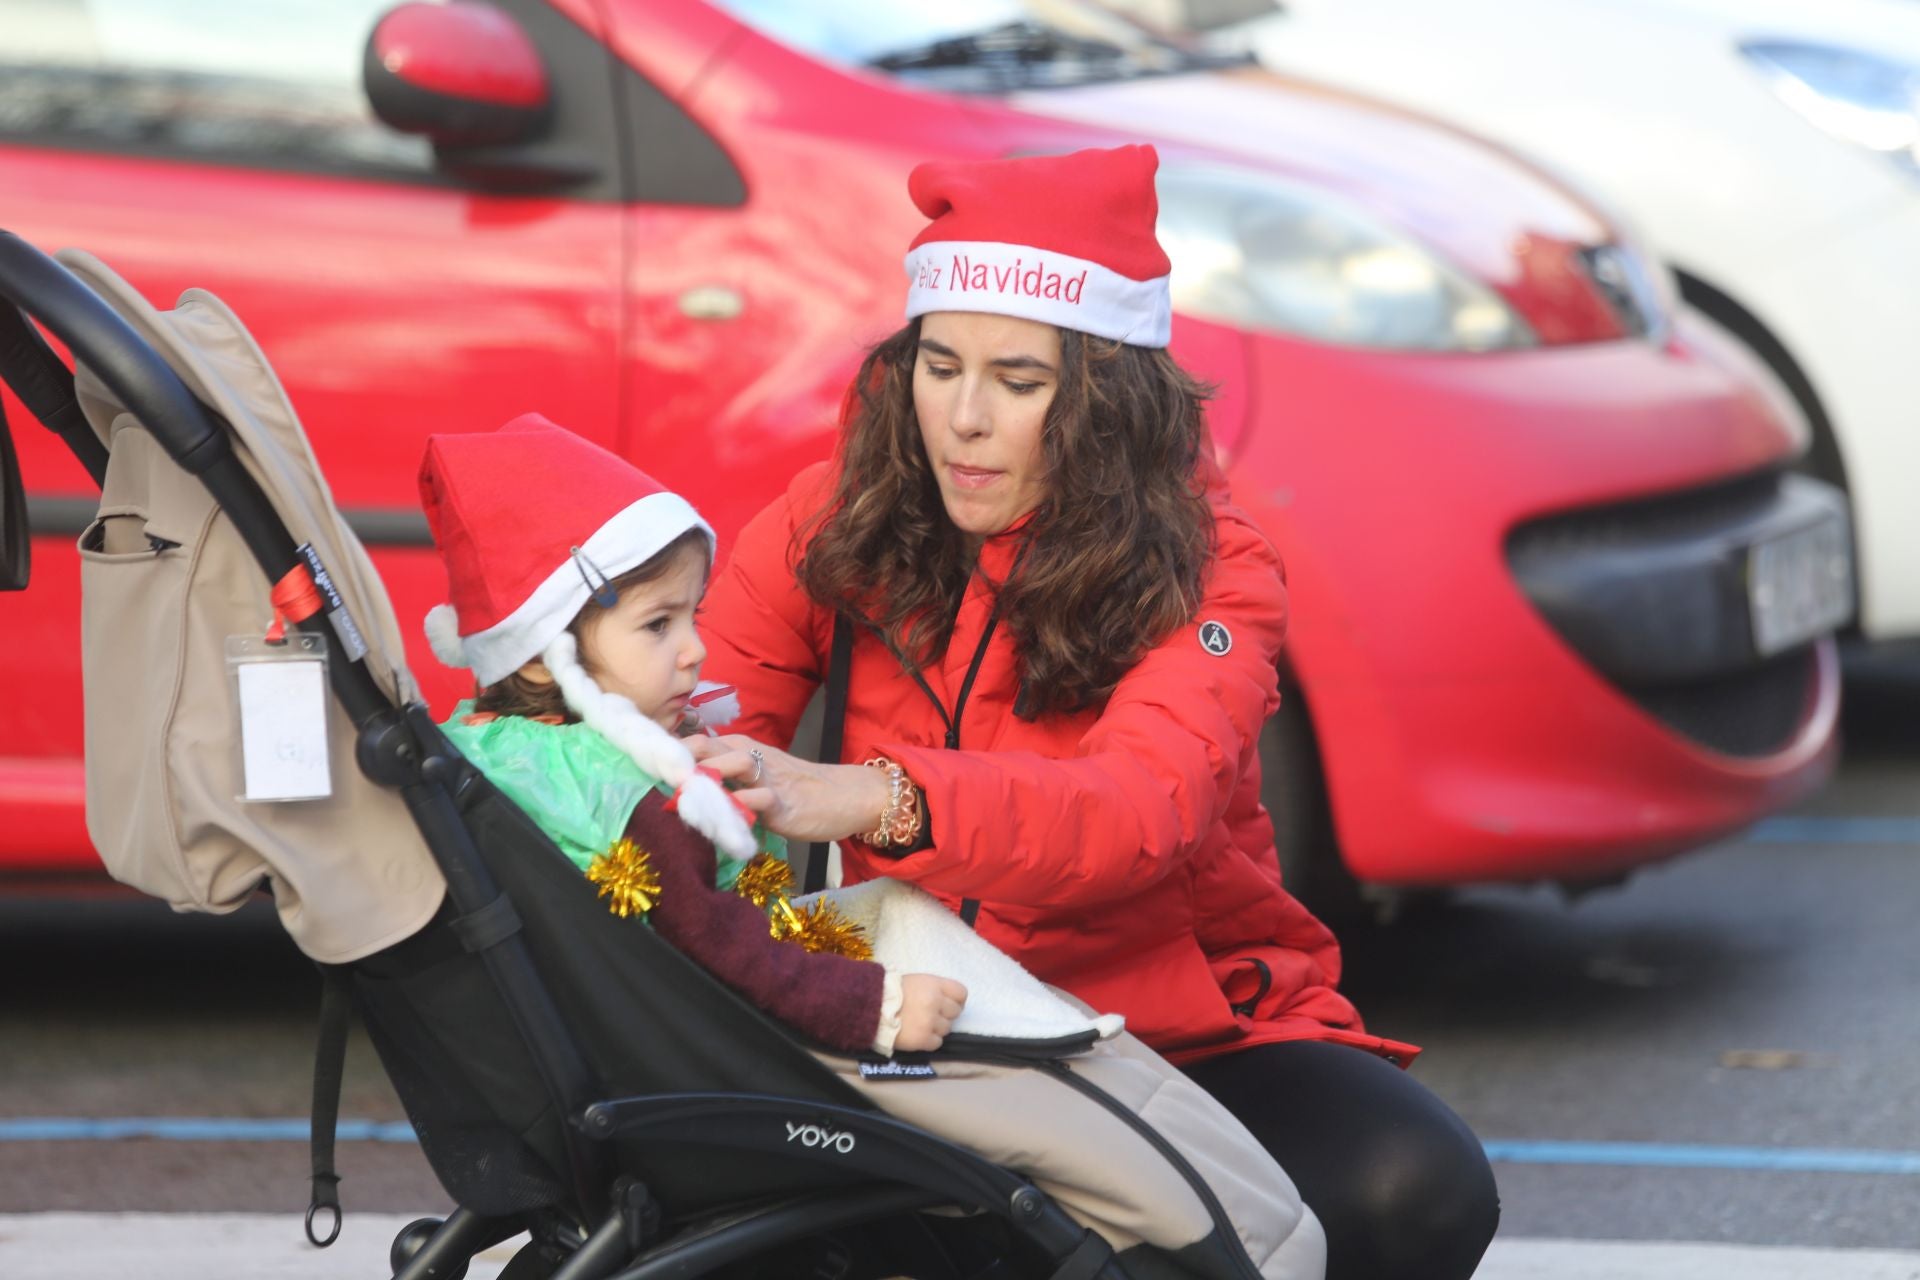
x: 281, y: 692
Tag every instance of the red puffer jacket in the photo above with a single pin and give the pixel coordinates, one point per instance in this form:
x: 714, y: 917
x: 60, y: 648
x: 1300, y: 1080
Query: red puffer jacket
x: 1121, y: 853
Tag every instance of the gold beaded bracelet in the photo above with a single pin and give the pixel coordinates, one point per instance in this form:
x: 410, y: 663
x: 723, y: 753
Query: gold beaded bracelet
x: 900, y: 820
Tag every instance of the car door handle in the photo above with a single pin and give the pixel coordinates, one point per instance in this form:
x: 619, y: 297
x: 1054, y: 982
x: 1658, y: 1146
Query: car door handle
x: 711, y: 302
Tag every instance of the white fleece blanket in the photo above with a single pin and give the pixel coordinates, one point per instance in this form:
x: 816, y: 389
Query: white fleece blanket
x: 913, y: 932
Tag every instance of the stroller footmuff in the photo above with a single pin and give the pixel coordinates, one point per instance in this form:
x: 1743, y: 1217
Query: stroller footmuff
x: 568, y: 1073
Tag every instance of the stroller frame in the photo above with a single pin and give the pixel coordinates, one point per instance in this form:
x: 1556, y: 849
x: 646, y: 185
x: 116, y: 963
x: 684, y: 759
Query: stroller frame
x: 611, y: 1228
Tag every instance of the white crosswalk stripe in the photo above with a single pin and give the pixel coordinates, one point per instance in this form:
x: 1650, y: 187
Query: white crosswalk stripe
x: 1643, y: 1260
x: 193, y: 1246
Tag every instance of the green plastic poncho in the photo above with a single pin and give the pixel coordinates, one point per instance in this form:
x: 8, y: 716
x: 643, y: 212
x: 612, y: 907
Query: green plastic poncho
x: 577, y: 787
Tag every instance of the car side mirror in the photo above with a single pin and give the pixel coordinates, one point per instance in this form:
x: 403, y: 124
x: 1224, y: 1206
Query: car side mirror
x: 467, y: 77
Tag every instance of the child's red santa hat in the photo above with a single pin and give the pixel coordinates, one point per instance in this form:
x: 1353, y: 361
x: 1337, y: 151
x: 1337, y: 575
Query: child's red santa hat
x: 1066, y: 240
x: 531, y: 521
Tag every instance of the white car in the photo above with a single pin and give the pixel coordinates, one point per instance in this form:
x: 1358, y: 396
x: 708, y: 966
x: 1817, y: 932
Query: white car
x: 1768, y: 150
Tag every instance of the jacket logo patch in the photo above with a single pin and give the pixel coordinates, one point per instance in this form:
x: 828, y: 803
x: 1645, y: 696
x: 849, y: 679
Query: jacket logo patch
x: 1215, y: 638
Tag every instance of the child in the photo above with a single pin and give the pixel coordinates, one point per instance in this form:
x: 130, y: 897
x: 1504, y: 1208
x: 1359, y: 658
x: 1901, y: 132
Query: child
x: 575, y: 580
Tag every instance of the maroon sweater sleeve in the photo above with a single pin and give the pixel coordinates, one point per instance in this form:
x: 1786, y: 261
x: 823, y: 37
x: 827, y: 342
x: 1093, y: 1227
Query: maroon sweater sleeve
x: 828, y: 998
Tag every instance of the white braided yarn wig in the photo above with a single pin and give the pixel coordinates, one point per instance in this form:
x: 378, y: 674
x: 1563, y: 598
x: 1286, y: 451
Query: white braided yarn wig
x: 701, y: 802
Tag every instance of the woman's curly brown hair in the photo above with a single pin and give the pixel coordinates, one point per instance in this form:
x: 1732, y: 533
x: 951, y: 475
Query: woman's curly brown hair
x: 1115, y: 554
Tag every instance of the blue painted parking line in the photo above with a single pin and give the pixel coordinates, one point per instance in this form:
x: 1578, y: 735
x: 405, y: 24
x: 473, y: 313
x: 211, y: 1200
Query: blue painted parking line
x: 189, y: 1129
x: 1633, y: 1154
x: 1814, y: 830
x: 1683, y: 1156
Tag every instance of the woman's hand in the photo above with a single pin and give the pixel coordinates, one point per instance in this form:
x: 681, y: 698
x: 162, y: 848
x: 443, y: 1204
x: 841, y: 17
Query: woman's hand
x: 796, y: 798
x: 928, y: 1006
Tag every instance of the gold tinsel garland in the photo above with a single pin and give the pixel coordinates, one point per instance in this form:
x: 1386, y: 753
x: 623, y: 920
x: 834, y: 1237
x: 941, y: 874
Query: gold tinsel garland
x: 818, y: 926
x: 626, y: 875
x: 764, y: 879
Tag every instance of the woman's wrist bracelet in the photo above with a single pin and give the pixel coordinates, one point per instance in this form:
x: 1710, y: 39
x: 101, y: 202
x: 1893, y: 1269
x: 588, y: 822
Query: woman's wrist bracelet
x: 904, y: 814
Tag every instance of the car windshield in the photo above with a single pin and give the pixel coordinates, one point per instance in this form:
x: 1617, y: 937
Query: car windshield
x: 995, y: 46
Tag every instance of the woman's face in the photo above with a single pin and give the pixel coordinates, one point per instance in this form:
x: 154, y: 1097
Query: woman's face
x: 981, y: 387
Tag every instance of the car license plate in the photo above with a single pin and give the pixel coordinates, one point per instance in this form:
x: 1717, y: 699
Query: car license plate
x: 1799, y: 585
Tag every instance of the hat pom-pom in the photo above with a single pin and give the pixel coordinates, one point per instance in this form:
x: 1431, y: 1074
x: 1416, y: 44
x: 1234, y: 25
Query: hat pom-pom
x: 442, y: 626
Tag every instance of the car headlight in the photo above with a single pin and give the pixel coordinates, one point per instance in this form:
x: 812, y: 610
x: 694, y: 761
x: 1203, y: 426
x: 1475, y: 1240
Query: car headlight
x: 1862, y: 98
x: 1255, y: 250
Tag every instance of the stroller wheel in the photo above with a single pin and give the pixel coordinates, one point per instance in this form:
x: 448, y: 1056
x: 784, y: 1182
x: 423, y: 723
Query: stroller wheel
x: 411, y: 1239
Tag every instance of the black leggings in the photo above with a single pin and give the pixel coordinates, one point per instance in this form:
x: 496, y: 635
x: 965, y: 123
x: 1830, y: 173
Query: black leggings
x: 1400, y: 1183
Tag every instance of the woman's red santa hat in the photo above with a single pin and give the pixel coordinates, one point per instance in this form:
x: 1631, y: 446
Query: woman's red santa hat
x: 531, y: 521
x: 1065, y: 240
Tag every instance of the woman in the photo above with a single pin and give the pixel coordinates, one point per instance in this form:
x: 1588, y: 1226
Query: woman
x: 1065, y: 646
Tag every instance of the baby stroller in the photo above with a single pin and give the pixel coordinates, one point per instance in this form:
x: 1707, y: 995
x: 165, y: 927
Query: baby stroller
x: 569, y: 1075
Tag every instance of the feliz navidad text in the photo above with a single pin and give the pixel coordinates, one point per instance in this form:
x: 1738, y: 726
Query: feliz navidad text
x: 964, y: 275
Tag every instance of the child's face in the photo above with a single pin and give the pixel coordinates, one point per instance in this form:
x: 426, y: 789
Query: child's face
x: 647, y: 647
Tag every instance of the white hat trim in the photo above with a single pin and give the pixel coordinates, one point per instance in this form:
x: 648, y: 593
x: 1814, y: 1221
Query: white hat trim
x: 634, y: 535
x: 702, y: 803
x: 1053, y: 288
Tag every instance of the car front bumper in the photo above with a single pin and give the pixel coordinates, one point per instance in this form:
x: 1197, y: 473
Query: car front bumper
x: 1472, y: 731
x: 1685, y: 604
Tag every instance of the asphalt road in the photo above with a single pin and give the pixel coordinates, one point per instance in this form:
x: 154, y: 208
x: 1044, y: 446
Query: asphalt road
x: 1759, y: 995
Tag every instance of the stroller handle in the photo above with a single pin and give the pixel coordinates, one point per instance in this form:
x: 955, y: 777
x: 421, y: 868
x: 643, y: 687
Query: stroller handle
x: 194, y: 436
x: 45, y: 386
x: 106, y: 344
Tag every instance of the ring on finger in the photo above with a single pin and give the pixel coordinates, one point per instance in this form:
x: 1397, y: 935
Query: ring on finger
x: 759, y: 766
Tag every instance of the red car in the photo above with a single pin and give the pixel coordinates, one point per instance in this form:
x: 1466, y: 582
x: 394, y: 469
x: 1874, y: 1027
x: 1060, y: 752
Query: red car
x: 1561, y: 606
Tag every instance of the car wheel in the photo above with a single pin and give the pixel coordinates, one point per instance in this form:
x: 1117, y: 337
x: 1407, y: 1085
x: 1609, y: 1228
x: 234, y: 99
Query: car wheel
x: 1294, y: 789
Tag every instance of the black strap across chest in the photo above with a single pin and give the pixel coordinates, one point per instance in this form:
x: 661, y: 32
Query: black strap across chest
x: 833, y: 732
x: 833, y: 727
